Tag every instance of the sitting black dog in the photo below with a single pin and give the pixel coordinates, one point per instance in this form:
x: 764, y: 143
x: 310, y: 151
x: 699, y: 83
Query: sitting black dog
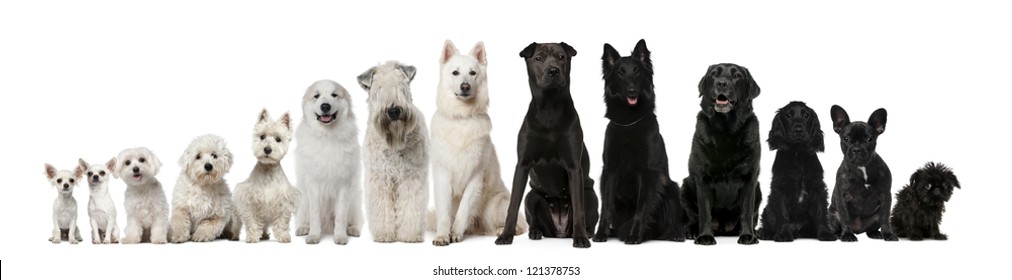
x: 638, y: 199
x: 862, y: 196
x: 920, y: 204
x: 550, y: 150
x: 721, y: 195
x: 796, y: 206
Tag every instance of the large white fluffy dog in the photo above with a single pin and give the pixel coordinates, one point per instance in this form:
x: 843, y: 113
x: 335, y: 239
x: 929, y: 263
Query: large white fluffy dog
x: 267, y: 200
x: 145, y: 204
x: 469, y: 191
x: 202, y: 208
x: 396, y: 156
x: 328, y: 164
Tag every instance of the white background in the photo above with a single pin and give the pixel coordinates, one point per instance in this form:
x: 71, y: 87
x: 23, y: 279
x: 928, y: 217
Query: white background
x: 88, y: 79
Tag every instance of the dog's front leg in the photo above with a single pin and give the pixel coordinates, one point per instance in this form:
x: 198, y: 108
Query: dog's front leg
x: 607, y: 200
x: 409, y: 207
x: 234, y: 227
x: 468, y: 204
x: 705, y: 220
x: 748, y: 194
x: 517, y: 195
x: 280, y: 228
x: 96, y: 238
x: 133, y: 231
x: 341, y: 207
x: 315, y: 210
x: 56, y: 231
x: 181, y: 225
x: 646, y: 203
x: 208, y: 229
x: 843, y: 213
x: 160, y: 229
x: 443, y: 192
x: 302, y: 214
x: 579, y: 225
x: 112, y: 231
x: 885, y: 204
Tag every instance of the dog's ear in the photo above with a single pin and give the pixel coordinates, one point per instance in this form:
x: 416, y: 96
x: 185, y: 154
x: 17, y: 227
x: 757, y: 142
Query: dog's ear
x: 840, y: 118
x: 609, y: 58
x: 479, y: 53
x: 529, y: 50
x: 115, y: 171
x: 184, y: 159
x: 568, y: 49
x: 286, y: 119
x: 365, y: 79
x: 776, y: 137
x: 643, y: 54
x: 818, y: 141
x: 264, y: 116
x: 50, y: 171
x: 449, y: 50
x: 753, y: 87
x: 226, y: 155
x: 81, y: 164
x: 156, y: 164
x: 706, y: 80
x: 408, y: 70
x: 111, y: 165
x: 878, y: 120
x: 79, y: 172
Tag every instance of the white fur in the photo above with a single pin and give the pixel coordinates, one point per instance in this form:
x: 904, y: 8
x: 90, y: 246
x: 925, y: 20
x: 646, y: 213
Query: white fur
x: 101, y: 208
x: 267, y: 199
x: 65, y: 206
x: 396, y: 156
x: 469, y: 191
x: 328, y: 166
x: 144, y: 202
x: 202, y: 208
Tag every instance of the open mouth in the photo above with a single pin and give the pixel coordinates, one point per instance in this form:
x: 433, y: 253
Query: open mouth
x: 326, y: 118
x: 632, y: 100
x: 137, y: 177
x: 722, y: 100
x: 722, y: 104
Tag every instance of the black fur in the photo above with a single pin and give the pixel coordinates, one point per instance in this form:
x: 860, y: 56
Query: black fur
x: 721, y: 195
x: 920, y: 204
x: 638, y: 199
x: 863, y: 192
x: 796, y: 206
x: 550, y: 150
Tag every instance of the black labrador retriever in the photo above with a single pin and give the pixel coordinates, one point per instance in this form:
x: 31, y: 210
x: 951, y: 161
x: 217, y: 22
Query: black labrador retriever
x: 550, y: 149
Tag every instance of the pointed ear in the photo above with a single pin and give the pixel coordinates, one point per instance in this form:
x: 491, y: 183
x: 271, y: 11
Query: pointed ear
x: 753, y: 87
x: 642, y: 53
x: 776, y: 137
x: 529, y: 50
x: 449, y: 50
x: 840, y: 118
x: 111, y: 165
x: 408, y: 71
x: 286, y: 119
x: 264, y: 116
x: 365, y: 79
x: 50, y: 171
x: 79, y: 172
x: 115, y: 171
x: 706, y: 81
x: 609, y: 58
x: 479, y: 53
x: 569, y: 50
x: 878, y: 120
x: 83, y: 165
x: 818, y: 142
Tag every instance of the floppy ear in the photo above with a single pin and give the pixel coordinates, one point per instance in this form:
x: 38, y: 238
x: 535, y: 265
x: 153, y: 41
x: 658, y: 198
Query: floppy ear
x: 82, y: 165
x: 643, y: 54
x: 408, y: 70
x: 111, y: 165
x: 878, y: 120
x: 569, y: 50
x: 478, y: 52
x: 184, y: 159
x: 529, y: 50
x: 286, y: 120
x: 818, y: 142
x: 226, y: 155
x: 840, y: 118
x: 449, y: 50
x: 753, y: 87
x: 609, y: 58
x: 365, y: 79
x: 776, y: 138
x: 705, y: 82
x: 156, y: 164
x: 50, y: 171
x: 264, y: 116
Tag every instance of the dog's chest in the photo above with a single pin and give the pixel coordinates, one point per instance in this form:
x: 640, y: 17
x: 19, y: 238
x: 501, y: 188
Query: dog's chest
x: 860, y: 191
x: 65, y: 211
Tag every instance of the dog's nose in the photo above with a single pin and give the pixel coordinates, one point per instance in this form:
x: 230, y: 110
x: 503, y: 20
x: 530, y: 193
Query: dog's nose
x: 554, y: 71
x: 631, y: 90
x: 721, y: 84
x: 267, y: 150
x: 66, y: 186
x: 394, y: 113
x: 325, y: 108
x: 856, y: 151
x: 95, y: 177
x: 798, y: 129
x: 465, y: 88
x: 208, y: 166
x: 137, y: 169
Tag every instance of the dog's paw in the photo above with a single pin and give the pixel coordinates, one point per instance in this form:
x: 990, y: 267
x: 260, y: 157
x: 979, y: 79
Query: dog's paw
x: 916, y: 238
x: 72, y: 240
x: 131, y: 240
x: 748, y: 239
x: 252, y: 239
x: 783, y: 236
x: 265, y: 236
x: 203, y: 236
x: 283, y: 237
x: 341, y: 240
x: 456, y: 237
x: 504, y: 240
x: 848, y: 237
x: 441, y: 241
x: 353, y: 231
x: 705, y: 240
x: 303, y: 231
x: 535, y: 234
x: 159, y: 240
x: 179, y: 237
x: 678, y: 238
x: 96, y: 241
x: 825, y: 236
x: 601, y: 237
x: 889, y: 236
x: 874, y: 234
x: 581, y: 242
x: 411, y: 239
x: 940, y: 236
x: 313, y: 239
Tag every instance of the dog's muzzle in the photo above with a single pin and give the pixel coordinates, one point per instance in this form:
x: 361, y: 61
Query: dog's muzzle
x: 722, y: 102
x: 208, y: 167
x: 632, y: 97
x: 326, y: 117
x: 798, y: 133
x: 465, y: 90
x: 394, y: 113
x: 268, y: 150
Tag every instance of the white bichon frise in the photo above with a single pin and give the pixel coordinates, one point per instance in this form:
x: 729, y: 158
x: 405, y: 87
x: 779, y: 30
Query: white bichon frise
x: 101, y: 208
x: 65, y: 206
x: 328, y: 165
x: 469, y: 192
x: 396, y: 156
x: 267, y: 200
x: 145, y: 204
x: 202, y: 208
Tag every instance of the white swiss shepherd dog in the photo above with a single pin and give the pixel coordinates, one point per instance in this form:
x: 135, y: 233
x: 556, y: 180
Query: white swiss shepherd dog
x: 469, y: 193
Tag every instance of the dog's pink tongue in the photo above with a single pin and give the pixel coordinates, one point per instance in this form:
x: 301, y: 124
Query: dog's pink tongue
x: 632, y: 100
x: 721, y: 102
x: 137, y: 177
x: 326, y: 118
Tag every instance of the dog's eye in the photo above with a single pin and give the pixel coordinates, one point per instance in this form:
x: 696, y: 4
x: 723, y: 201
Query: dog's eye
x: 333, y: 95
x: 472, y: 73
x: 846, y: 139
x: 262, y: 137
x: 927, y: 186
x: 562, y: 57
x: 316, y: 96
x: 214, y: 156
x: 805, y: 115
x: 455, y: 72
x: 127, y: 163
x: 869, y: 139
x: 737, y: 75
x: 538, y: 58
x: 101, y: 173
x: 141, y: 160
x: 198, y: 157
x: 789, y: 115
x: 90, y: 173
x: 71, y: 181
x: 277, y: 139
x: 59, y: 181
x: 621, y: 71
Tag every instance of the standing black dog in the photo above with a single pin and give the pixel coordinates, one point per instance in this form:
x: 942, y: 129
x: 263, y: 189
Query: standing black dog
x: 796, y: 207
x: 863, y: 192
x: 721, y: 195
x: 638, y: 199
x: 919, y: 205
x: 550, y: 149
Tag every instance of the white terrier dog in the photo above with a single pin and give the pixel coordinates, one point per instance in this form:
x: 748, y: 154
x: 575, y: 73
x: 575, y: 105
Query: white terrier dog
x: 328, y: 165
x: 146, y: 207
x: 396, y: 156
x: 465, y: 168
x: 101, y: 209
x: 202, y: 208
x: 267, y: 198
x: 65, y: 206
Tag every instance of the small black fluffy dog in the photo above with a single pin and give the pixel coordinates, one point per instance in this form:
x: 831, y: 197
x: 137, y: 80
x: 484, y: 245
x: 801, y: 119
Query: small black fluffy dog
x: 638, y: 199
x: 721, y: 195
x: 862, y: 195
x: 920, y: 204
x: 796, y: 206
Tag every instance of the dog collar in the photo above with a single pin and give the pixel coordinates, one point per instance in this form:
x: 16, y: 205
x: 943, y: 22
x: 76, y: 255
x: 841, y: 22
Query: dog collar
x: 629, y: 124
